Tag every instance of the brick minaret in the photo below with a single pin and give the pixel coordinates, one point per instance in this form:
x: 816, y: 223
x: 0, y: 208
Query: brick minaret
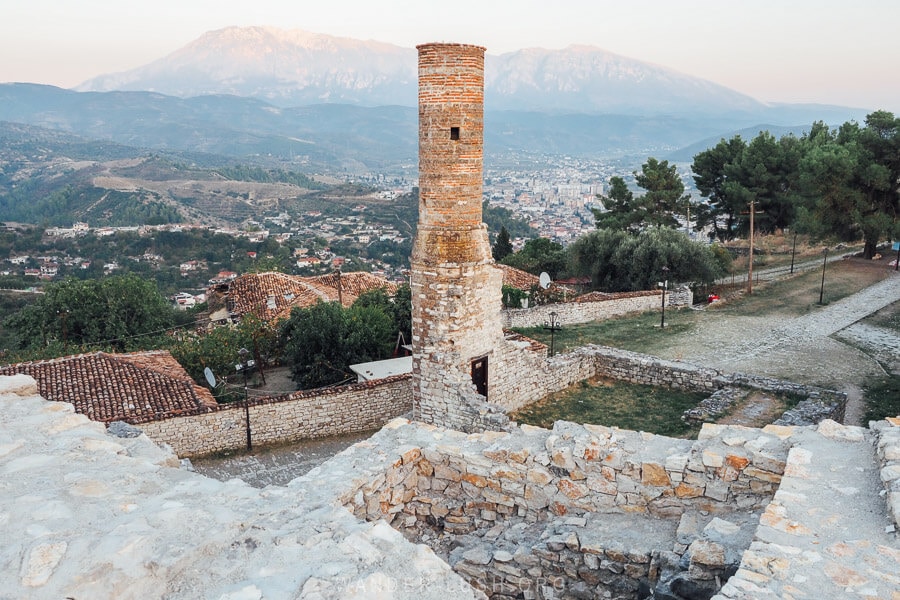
x: 455, y: 289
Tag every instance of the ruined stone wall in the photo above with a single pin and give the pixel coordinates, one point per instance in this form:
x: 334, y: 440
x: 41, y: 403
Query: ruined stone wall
x: 616, y: 305
x: 574, y: 470
x: 642, y: 368
x: 522, y: 376
x: 303, y: 415
x: 540, y: 512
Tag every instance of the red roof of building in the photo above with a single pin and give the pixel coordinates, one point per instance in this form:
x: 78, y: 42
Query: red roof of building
x: 518, y: 278
x: 355, y: 282
x: 137, y: 387
x: 273, y: 295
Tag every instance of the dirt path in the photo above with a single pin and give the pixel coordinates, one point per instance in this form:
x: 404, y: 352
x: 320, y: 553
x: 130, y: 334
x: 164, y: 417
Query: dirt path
x: 812, y: 348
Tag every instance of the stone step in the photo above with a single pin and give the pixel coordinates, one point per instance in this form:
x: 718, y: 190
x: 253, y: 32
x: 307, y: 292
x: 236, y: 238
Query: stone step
x: 827, y: 533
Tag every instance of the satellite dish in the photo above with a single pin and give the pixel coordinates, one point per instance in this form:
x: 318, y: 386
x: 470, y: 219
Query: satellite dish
x: 545, y: 280
x: 210, y: 378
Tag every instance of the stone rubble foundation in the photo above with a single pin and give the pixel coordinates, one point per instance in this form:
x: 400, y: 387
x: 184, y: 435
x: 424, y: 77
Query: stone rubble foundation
x: 573, y: 512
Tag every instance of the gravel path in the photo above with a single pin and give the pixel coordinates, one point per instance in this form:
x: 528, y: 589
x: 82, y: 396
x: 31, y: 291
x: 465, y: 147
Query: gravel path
x: 825, y: 347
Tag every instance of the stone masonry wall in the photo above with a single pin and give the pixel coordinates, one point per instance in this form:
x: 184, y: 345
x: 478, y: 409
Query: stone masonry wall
x: 302, y: 415
x: 579, y: 510
x: 573, y: 470
x: 524, y: 375
x: 616, y: 305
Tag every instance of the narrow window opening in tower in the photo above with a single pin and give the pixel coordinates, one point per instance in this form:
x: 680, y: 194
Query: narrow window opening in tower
x: 454, y: 133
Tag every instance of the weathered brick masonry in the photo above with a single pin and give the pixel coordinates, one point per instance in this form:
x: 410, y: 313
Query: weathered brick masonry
x: 455, y: 289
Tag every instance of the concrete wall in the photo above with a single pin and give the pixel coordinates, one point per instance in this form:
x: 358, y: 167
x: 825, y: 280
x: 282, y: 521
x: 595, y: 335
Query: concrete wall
x: 303, y: 415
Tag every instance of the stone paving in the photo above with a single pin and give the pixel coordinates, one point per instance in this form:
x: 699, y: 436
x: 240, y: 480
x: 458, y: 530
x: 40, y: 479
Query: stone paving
x: 806, y: 349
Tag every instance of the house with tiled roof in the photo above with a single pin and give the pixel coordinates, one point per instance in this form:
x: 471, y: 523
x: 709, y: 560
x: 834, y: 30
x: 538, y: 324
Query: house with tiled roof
x: 355, y: 283
x: 518, y: 278
x: 137, y: 387
x: 272, y: 295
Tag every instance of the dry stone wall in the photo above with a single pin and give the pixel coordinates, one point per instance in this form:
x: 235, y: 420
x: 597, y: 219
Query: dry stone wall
x: 615, y: 305
x: 577, y: 510
x: 299, y: 416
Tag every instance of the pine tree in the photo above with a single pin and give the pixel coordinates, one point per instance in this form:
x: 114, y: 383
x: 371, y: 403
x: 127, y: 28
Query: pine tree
x: 503, y: 246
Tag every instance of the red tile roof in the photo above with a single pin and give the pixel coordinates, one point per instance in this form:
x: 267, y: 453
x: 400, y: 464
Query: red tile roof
x: 272, y: 296
x: 355, y: 282
x: 518, y: 278
x: 136, y: 387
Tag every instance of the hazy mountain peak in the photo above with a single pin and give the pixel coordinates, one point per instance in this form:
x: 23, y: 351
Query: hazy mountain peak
x: 296, y: 67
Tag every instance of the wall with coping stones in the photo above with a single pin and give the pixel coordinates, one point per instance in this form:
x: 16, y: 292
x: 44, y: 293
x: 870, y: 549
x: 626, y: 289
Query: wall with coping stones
x: 299, y: 416
x: 571, y: 313
x: 520, y: 375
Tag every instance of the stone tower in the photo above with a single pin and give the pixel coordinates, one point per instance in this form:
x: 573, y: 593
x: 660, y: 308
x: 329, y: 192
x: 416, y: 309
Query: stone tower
x: 456, y: 292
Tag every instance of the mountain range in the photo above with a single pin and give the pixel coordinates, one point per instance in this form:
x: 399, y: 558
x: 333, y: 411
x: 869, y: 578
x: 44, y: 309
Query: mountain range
x: 290, y: 68
x: 349, y: 105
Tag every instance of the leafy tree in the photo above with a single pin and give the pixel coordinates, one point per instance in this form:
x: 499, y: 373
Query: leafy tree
x: 118, y: 313
x: 397, y: 307
x: 617, y: 261
x: 826, y: 173
x: 322, y: 341
x: 218, y: 348
x: 402, y: 311
x: 765, y: 174
x: 877, y: 176
x: 497, y: 217
x: 503, y: 246
x: 513, y: 296
x: 538, y: 255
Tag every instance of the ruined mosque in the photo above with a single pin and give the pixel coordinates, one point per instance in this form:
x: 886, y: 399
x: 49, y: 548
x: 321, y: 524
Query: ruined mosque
x: 453, y: 500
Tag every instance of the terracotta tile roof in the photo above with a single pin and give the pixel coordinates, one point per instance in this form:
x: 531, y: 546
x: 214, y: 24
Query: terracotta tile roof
x: 272, y: 296
x: 355, y: 282
x: 136, y: 387
x: 518, y: 278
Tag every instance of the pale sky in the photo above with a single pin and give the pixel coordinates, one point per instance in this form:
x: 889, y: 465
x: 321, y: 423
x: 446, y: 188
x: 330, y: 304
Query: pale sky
x: 819, y: 51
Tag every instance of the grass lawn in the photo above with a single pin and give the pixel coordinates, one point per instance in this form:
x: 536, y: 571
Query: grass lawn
x: 616, y: 404
x: 790, y: 297
x: 882, y: 398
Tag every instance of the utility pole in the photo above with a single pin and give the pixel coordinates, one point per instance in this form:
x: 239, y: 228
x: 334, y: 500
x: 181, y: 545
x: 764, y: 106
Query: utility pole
x: 793, y: 252
x: 750, y: 271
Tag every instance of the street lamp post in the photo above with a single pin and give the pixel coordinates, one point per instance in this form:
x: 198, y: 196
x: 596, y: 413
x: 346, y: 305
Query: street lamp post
x: 665, y: 286
x: 244, y: 367
x: 824, y: 262
x: 553, y: 326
